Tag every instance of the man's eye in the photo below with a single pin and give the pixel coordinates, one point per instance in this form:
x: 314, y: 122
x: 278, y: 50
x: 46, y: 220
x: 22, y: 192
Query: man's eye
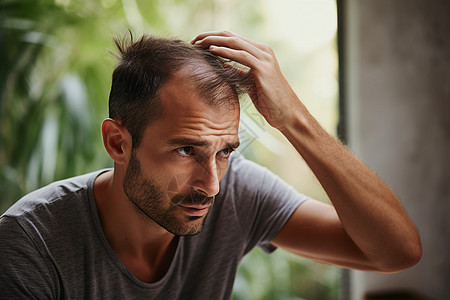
x: 184, y: 151
x: 224, y: 153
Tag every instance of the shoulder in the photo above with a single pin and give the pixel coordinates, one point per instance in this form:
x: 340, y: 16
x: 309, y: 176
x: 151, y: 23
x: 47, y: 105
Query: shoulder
x: 51, y: 195
x: 257, y: 185
x: 262, y: 201
x: 24, y: 273
x: 54, y: 214
x: 39, y: 232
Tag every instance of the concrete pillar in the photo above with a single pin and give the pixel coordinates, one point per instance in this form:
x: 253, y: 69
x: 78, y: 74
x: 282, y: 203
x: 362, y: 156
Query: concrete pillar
x: 397, y: 87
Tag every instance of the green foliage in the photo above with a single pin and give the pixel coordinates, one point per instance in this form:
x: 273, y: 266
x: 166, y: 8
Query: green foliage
x: 53, y: 92
x: 285, y: 277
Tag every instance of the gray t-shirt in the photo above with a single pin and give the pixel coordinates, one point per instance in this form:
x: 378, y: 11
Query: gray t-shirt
x: 52, y: 245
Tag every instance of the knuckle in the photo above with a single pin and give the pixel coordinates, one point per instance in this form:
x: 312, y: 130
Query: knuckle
x: 266, y: 48
x: 245, y: 55
x: 227, y: 33
x: 234, y: 40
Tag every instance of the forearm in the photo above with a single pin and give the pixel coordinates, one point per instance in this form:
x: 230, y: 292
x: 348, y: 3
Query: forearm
x: 370, y: 213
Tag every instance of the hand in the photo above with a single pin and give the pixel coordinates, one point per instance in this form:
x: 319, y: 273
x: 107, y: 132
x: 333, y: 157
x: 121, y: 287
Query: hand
x: 272, y: 95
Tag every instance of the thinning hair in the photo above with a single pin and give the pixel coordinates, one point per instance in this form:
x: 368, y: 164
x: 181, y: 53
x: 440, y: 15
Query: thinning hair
x: 146, y: 64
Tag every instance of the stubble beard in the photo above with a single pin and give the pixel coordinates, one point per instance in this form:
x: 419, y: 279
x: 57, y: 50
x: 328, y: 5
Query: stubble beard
x: 148, y: 197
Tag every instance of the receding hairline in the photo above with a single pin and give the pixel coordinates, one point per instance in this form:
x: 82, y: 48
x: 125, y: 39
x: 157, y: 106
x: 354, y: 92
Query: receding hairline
x: 198, y: 72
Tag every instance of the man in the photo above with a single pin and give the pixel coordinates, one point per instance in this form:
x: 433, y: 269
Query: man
x: 177, y: 213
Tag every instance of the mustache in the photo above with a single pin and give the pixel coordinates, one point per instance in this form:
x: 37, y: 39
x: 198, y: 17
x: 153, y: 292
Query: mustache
x: 193, y: 198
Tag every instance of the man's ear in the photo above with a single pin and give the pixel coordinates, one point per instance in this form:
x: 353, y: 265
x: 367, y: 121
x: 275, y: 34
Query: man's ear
x: 117, y: 140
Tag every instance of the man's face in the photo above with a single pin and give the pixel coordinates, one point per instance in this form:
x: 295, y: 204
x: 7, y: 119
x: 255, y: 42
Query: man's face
x: 174, y: 174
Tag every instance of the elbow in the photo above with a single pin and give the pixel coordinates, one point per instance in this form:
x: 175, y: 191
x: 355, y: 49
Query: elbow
x: 407, y: 258
x: 412, y: 253
x: 416, y: 255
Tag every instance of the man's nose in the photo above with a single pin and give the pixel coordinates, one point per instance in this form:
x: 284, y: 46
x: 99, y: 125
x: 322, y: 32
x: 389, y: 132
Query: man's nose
x: 206, y: 178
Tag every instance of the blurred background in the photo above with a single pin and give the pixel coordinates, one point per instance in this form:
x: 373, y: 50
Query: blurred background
x: 54, y: 85
x: 388, y: 92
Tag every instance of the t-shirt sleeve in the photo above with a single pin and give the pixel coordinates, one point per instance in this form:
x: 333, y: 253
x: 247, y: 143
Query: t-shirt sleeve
x: 264, y: 202
x: 24, y: 272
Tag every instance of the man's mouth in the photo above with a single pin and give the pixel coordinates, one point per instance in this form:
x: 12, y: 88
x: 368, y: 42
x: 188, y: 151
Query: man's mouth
x: 195, y: 210
x: 198, y: 207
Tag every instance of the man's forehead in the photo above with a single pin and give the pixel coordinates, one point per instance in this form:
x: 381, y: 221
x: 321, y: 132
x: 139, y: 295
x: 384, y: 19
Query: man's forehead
x: 185, y: 112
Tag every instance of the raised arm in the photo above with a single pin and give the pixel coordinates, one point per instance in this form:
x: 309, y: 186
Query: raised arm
x: 367, y: 227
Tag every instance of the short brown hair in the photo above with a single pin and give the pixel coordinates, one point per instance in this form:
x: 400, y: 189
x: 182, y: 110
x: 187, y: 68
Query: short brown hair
x: 146, y: 64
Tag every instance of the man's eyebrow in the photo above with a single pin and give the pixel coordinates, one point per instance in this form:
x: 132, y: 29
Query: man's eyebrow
x: 234, y: 145
x: 198, y: 143
x: 187, y: 142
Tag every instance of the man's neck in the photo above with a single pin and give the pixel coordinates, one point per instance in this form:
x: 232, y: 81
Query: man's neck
x: 144, y: 247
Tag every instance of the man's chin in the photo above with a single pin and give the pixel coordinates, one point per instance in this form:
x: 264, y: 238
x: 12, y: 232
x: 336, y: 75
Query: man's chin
x: 193, y: 226
x: 193, y: 229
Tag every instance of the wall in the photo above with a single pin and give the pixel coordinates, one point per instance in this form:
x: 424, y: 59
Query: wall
x: 397, y: 87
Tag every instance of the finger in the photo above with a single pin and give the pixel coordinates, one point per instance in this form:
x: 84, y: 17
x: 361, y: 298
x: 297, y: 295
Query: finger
x: 241, y: 56
x: 234, y: 43
x: 225, y: 33
x: 203, y: 35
